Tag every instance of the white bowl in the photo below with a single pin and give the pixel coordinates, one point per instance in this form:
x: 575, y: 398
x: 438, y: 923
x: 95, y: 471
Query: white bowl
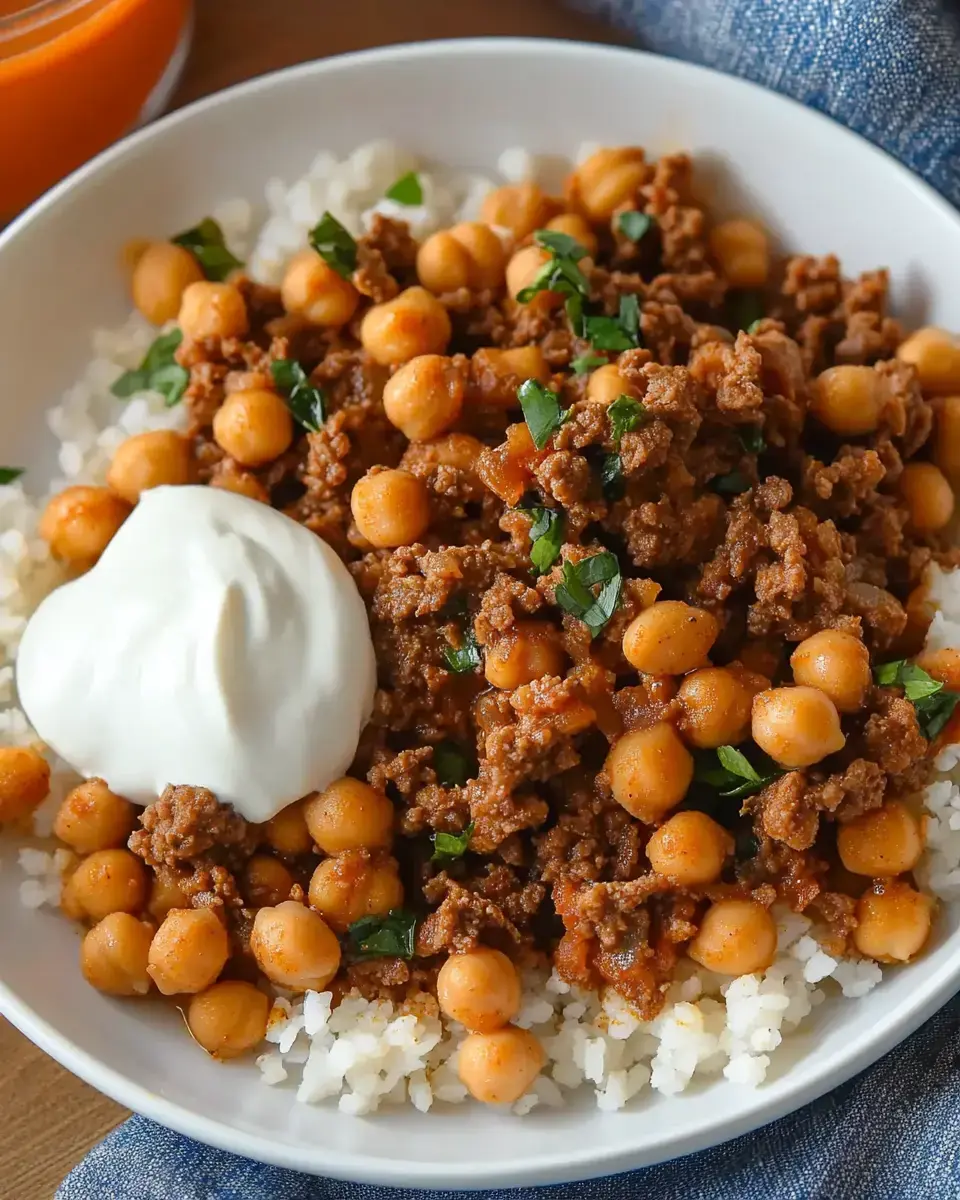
x: 818, y: 187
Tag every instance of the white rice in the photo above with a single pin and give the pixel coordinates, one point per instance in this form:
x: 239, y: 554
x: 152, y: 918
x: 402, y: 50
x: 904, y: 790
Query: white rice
x: 368, y: 1054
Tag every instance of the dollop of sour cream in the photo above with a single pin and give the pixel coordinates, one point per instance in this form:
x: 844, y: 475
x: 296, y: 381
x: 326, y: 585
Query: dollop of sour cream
x: 216, y: 643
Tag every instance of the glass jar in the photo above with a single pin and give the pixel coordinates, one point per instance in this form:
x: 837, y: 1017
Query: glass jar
x: 74, y: 76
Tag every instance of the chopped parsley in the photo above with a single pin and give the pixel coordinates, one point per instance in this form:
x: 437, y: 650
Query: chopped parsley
x: 754, y: 325
x: 466, y: 657
x: 546, y: 536
x: 733, y: 774
x: 306, y: 402
x: 752, y: 439
x: 634, y: 225
x: 934, y: 706
x: 541, y: 411
x: 448, y: 846
x: 732, y: 484
x: 625, y: 414
x: 378, y: 937
x: 560, y: 244
x: 621, y: 332
x: 452, y: 765
x: 159, y: 372
x: 335, y: 245
x: 575, y: 594
x: 207, y: 245
x: 9, y: 474
x: 611, y: 477
x: 560, y: 273
x: 586, y: 362
x: 407, y: 189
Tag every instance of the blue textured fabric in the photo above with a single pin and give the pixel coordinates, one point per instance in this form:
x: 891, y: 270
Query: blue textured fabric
x: 890, y: 69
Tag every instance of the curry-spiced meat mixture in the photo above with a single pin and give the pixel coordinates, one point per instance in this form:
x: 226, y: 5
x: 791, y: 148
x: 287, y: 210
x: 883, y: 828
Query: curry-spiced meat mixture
x: 640, y: 516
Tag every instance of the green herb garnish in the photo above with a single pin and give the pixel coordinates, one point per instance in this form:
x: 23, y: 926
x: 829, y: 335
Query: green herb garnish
x: 634, y: 225
x: 732, y: 484
x: 732, y: 773
x: 611, y: 477
x: 560, y: 244
x: 621, y: 332
x: 625, y: 414
x: 546, y: 535
x: 586, y: 362
x: 407, y: 189
x: 448, y: 846
x: 754, y: 325
x: 560, y: 273
x: 466, y: 657
x: 541, y: 411
x: 378, y: 937
x: 575, y: 596
x: 452, y: 765
x: 335, y: 245
x: 934, y: 706
x: 207, y: 245
x: 305, y: 401
x: 159, y: 372
x: 752, y: 439
x: 9, y: 474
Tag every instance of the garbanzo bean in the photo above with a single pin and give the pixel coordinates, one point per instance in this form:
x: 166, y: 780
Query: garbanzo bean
x: 736, y: 937
x: 893, y: 922
x: 458, y: 450
x: 796, y: 726
x: 212, y: 310
x: 946, y: 438
x: 91, y: 817
x: 229, y: 1018
x: 469, y: 255
x: 496, y: 374
x: 295, y: 947
x: 480, y: 989
x: 523, y: 268
x: 847, y: 399
x: 943, y: 665
x: 425, y: 396
x: 230, y: 476
x: 649, y: 770
x: 113, y: 955
x: 742, y: 251
x: 287, y: 832
x: 498, y: 1067
x: 349, y: 815
x: 166, y: 892
x: 391, y: 508
x: 352, y: 885
x: 79, y: 523
x: 266, y: 881
x: 415, y: 322
x: 936, y: 356
x: 161, y: 275
x: 607, y: 180
x: 527, y: 651
x: 24, y: 781
x: 606, y: 384
x: 881, y: 843
x: 148, y: 460
x: 253, y: 426
x: 188, y: 951
x: 315, y: 291
x: 716, y: 705
x: 835, y: 662
x: 573, y: 225
x: 689, y: 849
x: 669, y: 638
x: 928, y: 496
x: 521, y: 208
x: 105, y: 882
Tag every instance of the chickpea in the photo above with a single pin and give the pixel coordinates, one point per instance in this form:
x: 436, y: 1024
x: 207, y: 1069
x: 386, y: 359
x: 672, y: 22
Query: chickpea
x: 835, y: 662
x: 113, y: 955
x: 607, y: 180
x: 606, y: 384
x: 847, y: 399
x: 350, y: 815
x: 480, y: 989
x: 162, y: 273
x: 166, y: 892
x: 669, y: 638
x: 498, y: 1067
x: 266, y: 881
x: 469, y: 255
x: 253, y: 426
x: 150, y: 460
x: 946, y: 438
x: 91, y: 817
x: 527, y: 651
x: 736, y: 937
x: 415, y: 322
x: 229, y: 476
x: 881, y: 843
x: 649, y: 770
x: 212, y: 310
x: 79, y: 523
x: 496, y: 374
x: 105, y: 882
x: 287, y: 832
x: 521, y: 208
x: 295, y: 947
x: 893, y: 922
x: 188, y: 951
x: 796, y: 726
x: 944, y: 666
x: 229, y: 1018
x: 689, y: 849
x: 716, y: 706
x: 573, y: 225
x: 936, y: 356
x: 523, y: 268
x: 352, y: 885
x: 928, y: 496
x: 458, y: 450
x: 315, y: 291
x: 24, y: 781
x: 424, y: 398
x: 742, y: 251
x: 391, y: 508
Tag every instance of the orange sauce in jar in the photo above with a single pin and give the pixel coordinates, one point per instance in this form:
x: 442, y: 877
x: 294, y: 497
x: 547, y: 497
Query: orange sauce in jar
x: 74, y: 76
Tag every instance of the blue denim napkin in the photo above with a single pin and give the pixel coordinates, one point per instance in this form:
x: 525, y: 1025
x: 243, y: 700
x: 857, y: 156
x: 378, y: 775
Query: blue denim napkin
x: 889, y: 69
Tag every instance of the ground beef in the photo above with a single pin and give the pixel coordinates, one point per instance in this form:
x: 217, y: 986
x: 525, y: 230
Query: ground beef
x: 188, y: 823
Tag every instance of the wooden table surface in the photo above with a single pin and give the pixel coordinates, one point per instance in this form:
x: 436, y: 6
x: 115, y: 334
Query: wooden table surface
x: 48, y: 1118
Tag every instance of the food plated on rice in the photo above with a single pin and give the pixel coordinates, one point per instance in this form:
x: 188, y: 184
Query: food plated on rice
x: 546, y: 602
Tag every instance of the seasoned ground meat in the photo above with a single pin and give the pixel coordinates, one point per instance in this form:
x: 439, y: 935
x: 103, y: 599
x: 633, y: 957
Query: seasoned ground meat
x: 187, y: 824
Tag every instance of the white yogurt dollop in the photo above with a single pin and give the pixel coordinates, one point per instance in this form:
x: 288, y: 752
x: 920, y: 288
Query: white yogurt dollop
x: 216, y: 643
